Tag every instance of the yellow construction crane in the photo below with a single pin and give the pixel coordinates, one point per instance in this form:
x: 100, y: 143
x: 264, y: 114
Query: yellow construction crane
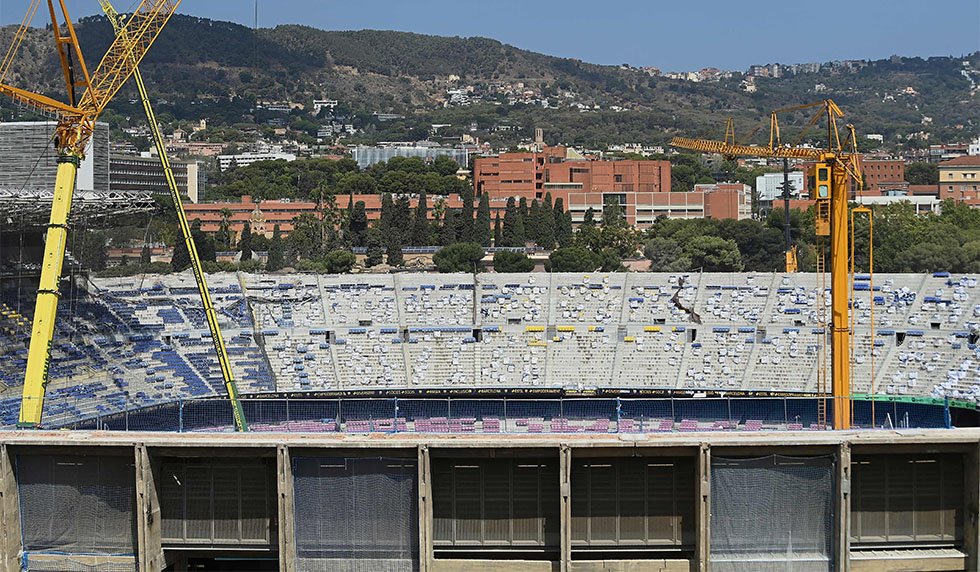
x: 88, y: 95
x: 834, y: 166
x: 211, y: 315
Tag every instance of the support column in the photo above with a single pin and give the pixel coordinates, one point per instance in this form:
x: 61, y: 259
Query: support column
x: 565, y: 514
x: 149, y: 537
x: 842, y: 544
x: 287, y: 519
x: 971, y: 516
x: 702, y: 540
x: 426, y: 536
x: 10, y: 534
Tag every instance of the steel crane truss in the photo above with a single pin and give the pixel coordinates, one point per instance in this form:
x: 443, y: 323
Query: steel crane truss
x: 29, y: 209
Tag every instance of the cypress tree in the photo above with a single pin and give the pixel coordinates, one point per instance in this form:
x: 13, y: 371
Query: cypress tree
x: 401, y: 221
x: 511, y: 215
x: 532, y: 223
x: 447, y: 234
x: 387, y: 212
x: 420, y: 226
x: 465, y: 230
x: 245, y: 244
x: 498, y: 233
x: 563, y: 224
x: 546, y: 225
x: 482, y: 232
x: 276, y: 260
x: 358, y: 223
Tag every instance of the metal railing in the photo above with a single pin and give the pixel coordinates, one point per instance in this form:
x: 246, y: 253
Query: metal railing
x: 503, y: 415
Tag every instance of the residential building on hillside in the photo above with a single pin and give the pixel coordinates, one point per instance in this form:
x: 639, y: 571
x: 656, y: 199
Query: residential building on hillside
x: 28, y: 159
x: 246, y: 159
x: 959, y: 179
x: 145, y: 174
x: 370, y: 155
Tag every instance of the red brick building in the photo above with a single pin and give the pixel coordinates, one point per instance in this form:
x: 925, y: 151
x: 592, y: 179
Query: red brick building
x: 642, y: 187
x: 263, y: 216
x: 886, y: 175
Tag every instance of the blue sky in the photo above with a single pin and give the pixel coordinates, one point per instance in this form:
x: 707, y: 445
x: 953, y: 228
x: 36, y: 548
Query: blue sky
x: 674, y: 35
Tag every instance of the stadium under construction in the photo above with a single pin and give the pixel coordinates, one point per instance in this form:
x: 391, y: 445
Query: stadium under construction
x: 488, y: 422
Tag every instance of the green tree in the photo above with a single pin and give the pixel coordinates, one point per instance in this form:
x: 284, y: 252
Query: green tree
x: 395, y: 255
x: 506, y: 261
x: 513, y: 233
x: 375, y: 248
x: 420, y: 224
x: 612, y: 214
x: 222, y: 238
x: 459, y: 257
x: 922, y: 174
x: 548, y: 224
x: 339, y: 261
x: 533, y: 223
x: 447, y: 234
x: 713, y: 254
x: 482, y: 231
x: 276, y: 260
x: 90, y: 249
x: 356, y: 184
x: 358, y: 224
x: 666, y: 255
x: 385, y: 223
x: 563, y: 224
x: 465, y: 230
x: 401, y: 222
x: 574, y: 259
x: 498, y: 232
x: 589, y: 219
x: 245, y: 242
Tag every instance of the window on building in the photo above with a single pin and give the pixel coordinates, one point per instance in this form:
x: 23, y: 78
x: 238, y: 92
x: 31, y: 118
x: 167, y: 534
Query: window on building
x: 907, y: 499
x: 631, y: 503
x: 504, y: 503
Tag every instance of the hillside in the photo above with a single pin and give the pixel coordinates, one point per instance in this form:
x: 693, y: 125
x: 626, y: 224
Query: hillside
x: 203, y: 68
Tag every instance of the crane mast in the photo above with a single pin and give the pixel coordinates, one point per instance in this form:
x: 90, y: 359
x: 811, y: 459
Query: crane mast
x: 76, y: 124
x: 211, y: 315
x: 834, y: 168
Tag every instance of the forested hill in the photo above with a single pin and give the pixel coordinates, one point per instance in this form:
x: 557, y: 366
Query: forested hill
x: 204, y: 68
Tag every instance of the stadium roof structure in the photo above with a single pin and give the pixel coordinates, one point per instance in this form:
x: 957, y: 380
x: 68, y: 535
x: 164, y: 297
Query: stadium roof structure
x: 29, y: 209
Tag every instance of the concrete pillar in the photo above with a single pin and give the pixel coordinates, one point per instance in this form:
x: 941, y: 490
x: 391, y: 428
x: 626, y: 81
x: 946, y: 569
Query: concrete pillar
x: 702, y: 540
x: 842, y: 542
x: 287, y: 520
x: 10, y: 534
x: 149, y: 538
x: 565, y: 498
x: 426, y: 530
x: 971, y: 516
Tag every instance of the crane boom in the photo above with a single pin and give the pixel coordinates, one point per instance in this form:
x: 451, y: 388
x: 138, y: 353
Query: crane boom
x: 735, y: 150
x: 834, y: 167
x: 75, y: 128
x: 210, y: 313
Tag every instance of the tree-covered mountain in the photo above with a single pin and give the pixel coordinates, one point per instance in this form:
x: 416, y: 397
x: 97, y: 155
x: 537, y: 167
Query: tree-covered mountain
x: 219, y: 70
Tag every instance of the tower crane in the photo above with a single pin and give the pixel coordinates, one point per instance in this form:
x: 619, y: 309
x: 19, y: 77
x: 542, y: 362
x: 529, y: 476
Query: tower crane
x: 88, y: 95
x: 834, y: 166
x: 210, y: 314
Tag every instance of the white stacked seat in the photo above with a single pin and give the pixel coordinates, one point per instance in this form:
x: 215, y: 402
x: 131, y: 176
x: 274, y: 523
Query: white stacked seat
x: 651, y: 357
x: 581, y: 357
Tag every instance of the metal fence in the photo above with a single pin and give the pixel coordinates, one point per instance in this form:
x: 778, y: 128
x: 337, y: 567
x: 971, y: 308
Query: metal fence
x: 595, y: 415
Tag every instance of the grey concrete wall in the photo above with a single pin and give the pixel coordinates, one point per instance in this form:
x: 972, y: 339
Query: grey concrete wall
x: 148, y: 518
x: 10, y: 535
x: 286, y: 502
x: 701, y: 445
